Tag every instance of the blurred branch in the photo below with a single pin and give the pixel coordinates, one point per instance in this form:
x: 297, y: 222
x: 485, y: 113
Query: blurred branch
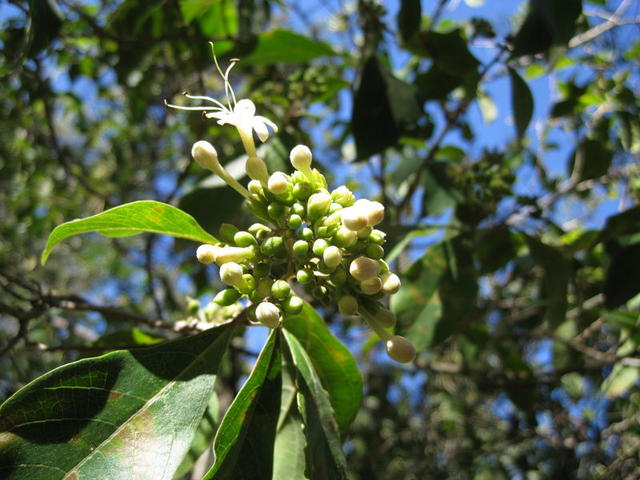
x: 612, y: 20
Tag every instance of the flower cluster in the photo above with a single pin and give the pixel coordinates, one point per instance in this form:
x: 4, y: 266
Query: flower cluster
x: 325, y: 241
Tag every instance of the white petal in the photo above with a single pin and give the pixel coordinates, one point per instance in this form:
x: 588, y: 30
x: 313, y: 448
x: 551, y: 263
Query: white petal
x: 269, y: 123
x: 244, y: 108
x: 260, y: 128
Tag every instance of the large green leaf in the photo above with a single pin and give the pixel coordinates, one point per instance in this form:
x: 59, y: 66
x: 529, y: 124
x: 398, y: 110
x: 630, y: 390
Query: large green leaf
x: 325, y: 459
x: 132, y: 219
x: 284, y: 46
x: 521, y: 102
x: 244, y: 443
x: 591, y: 159
x: 334, y: 364
x: 127, y: 414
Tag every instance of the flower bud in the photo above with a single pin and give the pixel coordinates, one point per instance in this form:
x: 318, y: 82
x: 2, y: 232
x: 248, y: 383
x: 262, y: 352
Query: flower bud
x: 364, y: 268
x: 235, y: 254
x: 247, y: 284
x: 257, y: 169
x: 207, y: 253
x: 343, y: 196
x: 300, y: 157
x: 364, y: 232
x: 261, y: 270
x: 375, y: 213
x: 371, y: 286
x: 338, y: 277
x: 319, y: 246
x: 400, y: 349
x: 298, y: 209
x: 273, y: 246
x: 263, y: 287
x: 302, y: 190
x: 244, y: 239
x: 259, y: 231
x: 345, y: 238
x: 374, y: 251
x: 278, y: 183
x: 300, y: 248
x: 226, y: 232
x: 255, y: 187
x: 280, y: 289
x: 276, y: 211
x: 205, y: 155
x: 348, y: 305
x: 231, y: 274
x: 304, y: 275
x: 385, y: 318
x: 353, y: 218
x: 332, y: 256
x: 293, y: 304
x: 294, y: 222
x: 390, y: 283
x: 227, y: 297
x: 268, y: 314
x: 306, y: 234
x: 377, y: 236
x: 318, y: 205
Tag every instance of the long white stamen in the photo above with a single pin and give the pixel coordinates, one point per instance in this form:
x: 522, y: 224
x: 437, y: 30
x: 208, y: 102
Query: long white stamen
x: 201, y: 109
x: 227, y: 84
x: 207, y: 99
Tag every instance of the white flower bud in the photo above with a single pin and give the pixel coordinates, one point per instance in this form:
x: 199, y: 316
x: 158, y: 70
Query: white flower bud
x: 371, y: 286
x: 300, y: 157
x: 318, y: 205
x: 385, y: 318
x: 348, y: 305
x: 207, y: 253
x: 234, y: 254
x: 332, y: 256
x: 375, y: 213
x: 268, y: 314
x: 364, y: 268
x: 345, y: 237
x: 400, y: 349
x: 231, y: 274
x: 343, y: 196
x: 354, y: 218
x: 257, y: 169
x: 390, y: 283
x: 205, y: 155
x: 278, y: 183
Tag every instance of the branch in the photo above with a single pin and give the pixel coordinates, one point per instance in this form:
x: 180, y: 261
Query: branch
x: 612, y: 20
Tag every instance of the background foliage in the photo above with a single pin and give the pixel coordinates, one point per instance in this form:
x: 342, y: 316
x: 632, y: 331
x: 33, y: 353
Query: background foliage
x: 518, y: 244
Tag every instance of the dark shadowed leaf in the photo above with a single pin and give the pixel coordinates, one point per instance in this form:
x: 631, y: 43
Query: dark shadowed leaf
x: 44, y: 25
x: 244, y: 442
x: 495, y: 247
x: 325, y: 459
x: 332, y: 361
x: 521, y: 102
x: 622, y: 280
x: 132, y: 219
x: 409, y: 17
x: 127, y: 414
x: 591, y: 159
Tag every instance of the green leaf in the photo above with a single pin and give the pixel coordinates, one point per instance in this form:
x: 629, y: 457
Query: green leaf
x: 383, y: 108
x: 440, y: 191
x: 591, y: 159
x: 284, y: 46
x: 521, y: 102
x: 556, y: 279
x: 332, y: 361
x: 409, y: 18
x: 325, y: 459
x: 44, y: 25
x: 127, y: 414
x: 494, y: 248
x: 244, y: 442
x: 622, y: 280
x: 620, y: 380
x: 132, y: 219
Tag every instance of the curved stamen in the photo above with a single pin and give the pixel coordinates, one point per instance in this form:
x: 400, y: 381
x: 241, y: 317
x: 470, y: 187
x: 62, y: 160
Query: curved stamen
x: 207, y: 99
x: 201, y: 109
x: 227, y: 84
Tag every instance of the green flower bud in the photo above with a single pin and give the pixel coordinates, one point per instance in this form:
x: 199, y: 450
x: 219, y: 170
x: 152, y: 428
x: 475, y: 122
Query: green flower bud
x: 322, y: 231
x: 268, y: 314
x: 293, y: 305
x: 226, y: 232
x: 276, y: 210
x: 318, y: 205
x: 306, y: 234
x: 248, y: 284
x: 235, y: 254
x: 257, y: 169
x: 193, y: 305
x: 400, y: 349
x: 244, y: 239
x: 304, y: 275
x: 255, y: 187
x: 259, y: 231
x: 273, y: 246
x: 374, y: 251
x: 300, y: 157
x: 280, y: 289
x: 231, y: 274
x: 384, y: 268
x: 385, y: 318
x: 364, y: 268
x: 339, y: 277
x: 335, y: 207
x: 390, y: 283
x: 278, y: 183
x: 298, y: 209
x: 227, y: 297
x: 294, y: 222
x: 364, y: 232
x: 302, y: 191
x: 345, y: 238
x: 332, y: 256
x: 263, y: 287
x: 343, y: 196
x: 348, y: 305
x: 319, y: 246
x: 301, y: 248
x: 377, y: 236
x: 371, y: 286
x: 207, y: 253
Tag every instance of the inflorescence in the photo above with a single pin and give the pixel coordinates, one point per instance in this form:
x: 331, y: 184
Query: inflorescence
x: 325, y: 241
